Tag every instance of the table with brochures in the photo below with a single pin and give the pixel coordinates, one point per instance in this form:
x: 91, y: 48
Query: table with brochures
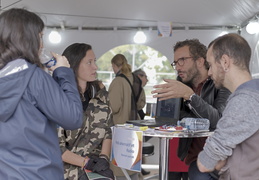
x: 164, y: 137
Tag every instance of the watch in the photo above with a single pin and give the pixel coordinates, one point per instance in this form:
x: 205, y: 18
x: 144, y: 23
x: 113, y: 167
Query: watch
x: 190, y: 98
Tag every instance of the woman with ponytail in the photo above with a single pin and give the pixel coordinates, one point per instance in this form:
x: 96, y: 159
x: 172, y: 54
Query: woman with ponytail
x: 126, y: 98
x: 120, y: 91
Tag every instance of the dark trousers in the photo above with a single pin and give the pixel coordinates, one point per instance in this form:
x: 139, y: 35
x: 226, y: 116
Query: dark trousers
x: 178, y: 176
x: 195, y: 174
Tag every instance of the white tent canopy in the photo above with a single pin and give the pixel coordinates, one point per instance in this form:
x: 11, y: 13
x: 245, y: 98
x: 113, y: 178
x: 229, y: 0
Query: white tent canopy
x: 139, y: 13
x: 107, y: 24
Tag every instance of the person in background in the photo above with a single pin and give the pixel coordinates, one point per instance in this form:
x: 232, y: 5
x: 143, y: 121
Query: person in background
x: 93, y: 139
x: 143, y: 77
x: 120, y: 91
x: 124, y: 104
x: 233, y: 148
x: 201, y: 98
x: 32, y: 102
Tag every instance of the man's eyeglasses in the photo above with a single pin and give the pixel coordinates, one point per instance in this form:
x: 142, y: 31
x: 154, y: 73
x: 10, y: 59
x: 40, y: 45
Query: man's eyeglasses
x: 180, y: 61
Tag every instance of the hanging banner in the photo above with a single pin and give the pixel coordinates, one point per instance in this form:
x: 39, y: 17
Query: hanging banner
x: 164, y: 29
x: 127, y: 148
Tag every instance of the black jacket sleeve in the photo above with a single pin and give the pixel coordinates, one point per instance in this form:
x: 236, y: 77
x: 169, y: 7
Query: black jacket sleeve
x: 210, y: 104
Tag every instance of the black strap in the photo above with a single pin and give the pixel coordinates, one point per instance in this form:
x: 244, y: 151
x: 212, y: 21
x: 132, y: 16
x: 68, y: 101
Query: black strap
x: 132, y: 90
x: 134, y: 99
x: 137, y: 85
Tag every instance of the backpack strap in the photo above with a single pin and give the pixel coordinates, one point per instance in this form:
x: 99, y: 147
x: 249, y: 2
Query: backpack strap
x: 134, y: 100
x: 137, y: 86
x: 122, y: 75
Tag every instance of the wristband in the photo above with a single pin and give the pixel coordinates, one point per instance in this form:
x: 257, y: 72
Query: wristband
x: 105, y: 157
x: 85, y: 163
x: 190, y: 99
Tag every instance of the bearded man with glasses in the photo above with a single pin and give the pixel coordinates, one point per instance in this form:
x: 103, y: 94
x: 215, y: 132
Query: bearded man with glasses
x: 200, y: 99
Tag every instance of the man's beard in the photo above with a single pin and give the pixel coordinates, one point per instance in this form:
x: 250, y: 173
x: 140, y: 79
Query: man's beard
x: 192, y: 75
x: 219, y: 82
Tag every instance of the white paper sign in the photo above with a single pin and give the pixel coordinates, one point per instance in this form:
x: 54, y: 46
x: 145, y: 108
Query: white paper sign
x: 127, y: 148
x: 164, y: 29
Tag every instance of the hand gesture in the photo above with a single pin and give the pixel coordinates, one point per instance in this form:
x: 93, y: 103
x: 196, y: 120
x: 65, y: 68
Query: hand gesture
x: 61, y: 61
x: 172, y: 89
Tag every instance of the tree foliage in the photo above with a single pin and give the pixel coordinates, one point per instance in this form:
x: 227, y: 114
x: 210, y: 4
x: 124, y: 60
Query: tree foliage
x: 155, y: 64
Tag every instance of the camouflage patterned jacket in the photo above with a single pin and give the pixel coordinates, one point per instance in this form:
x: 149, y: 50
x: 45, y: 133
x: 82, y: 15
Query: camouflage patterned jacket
x: 88, y: 139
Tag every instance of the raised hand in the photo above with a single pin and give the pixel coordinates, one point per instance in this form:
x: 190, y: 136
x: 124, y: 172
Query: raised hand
x: 172, y: 89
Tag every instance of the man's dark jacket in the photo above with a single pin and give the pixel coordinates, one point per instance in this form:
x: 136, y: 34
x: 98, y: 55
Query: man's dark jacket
x: 210, y: 104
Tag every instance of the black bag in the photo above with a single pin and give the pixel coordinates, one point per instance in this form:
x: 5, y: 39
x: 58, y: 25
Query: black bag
x: 141, y: 114
x: 136, y: 89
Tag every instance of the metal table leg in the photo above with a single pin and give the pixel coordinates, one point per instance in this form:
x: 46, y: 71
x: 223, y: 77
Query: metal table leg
x: 163, y: 158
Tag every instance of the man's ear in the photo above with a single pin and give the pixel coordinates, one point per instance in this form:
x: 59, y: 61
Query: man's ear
x: 200, y: 61
x: 225, y: 62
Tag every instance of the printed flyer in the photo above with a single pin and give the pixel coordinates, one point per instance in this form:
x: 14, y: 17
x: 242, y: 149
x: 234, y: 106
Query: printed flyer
x: 127, y: 148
